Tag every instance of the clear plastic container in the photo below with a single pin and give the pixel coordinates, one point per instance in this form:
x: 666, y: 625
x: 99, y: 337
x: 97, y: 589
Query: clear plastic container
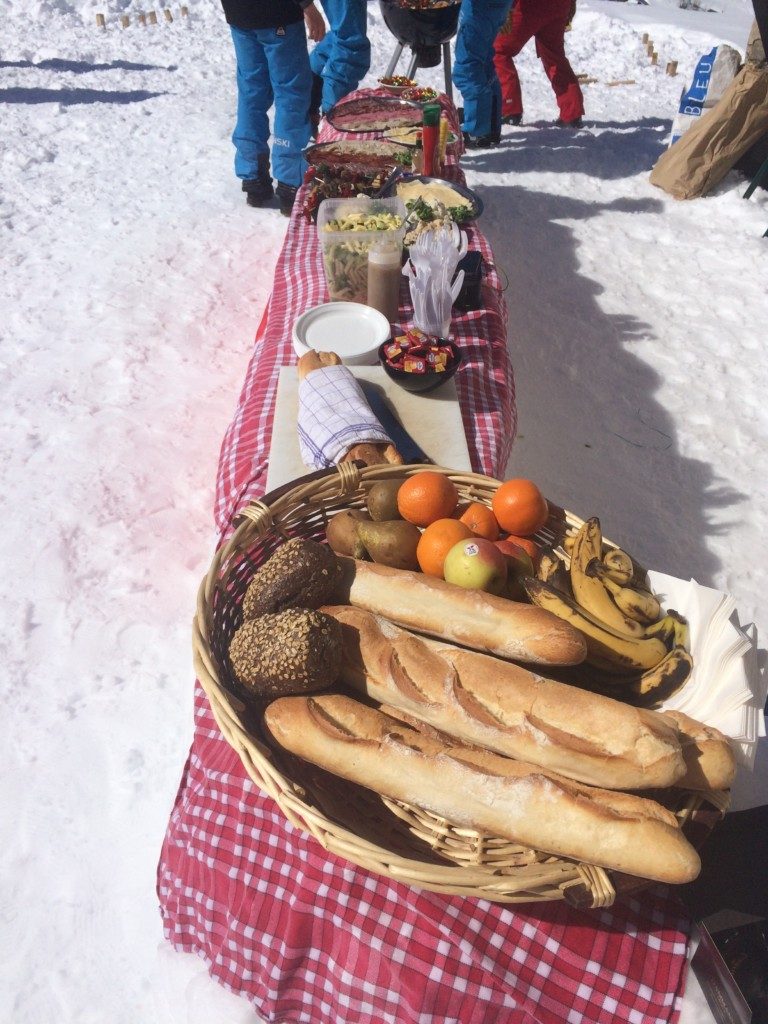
x: 345, y: 250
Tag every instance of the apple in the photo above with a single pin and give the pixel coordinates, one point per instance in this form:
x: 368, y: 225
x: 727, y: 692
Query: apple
x: 476, y: 564
x: 528, y: 545
x: 519, y: 564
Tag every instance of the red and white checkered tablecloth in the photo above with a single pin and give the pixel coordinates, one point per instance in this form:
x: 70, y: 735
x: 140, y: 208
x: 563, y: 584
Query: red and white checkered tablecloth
x: 308, y: 937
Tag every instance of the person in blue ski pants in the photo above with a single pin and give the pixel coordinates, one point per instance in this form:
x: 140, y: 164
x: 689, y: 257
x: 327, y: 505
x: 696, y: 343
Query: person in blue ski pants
x: 343, y: 58
x: 473, y: 71
x: 272, y: 67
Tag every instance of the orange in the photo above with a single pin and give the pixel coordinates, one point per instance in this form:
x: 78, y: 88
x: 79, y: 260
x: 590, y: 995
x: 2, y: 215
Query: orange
x: 436, y: 541
x: 481, y: 520
x: 520, y: 507
x: 425, y: 497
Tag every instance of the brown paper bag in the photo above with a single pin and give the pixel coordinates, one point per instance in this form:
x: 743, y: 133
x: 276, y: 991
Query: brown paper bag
x: 699, y: 160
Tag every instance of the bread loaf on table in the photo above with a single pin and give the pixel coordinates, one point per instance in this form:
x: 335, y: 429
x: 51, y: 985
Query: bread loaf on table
x: 371, y: 453
x: 481, y: 790
x: 709, y: 759
x: 472, y: 618
x: 482, y: 700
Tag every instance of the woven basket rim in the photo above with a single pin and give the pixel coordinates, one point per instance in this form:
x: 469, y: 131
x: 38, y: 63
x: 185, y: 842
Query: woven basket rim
x: 545, y: 878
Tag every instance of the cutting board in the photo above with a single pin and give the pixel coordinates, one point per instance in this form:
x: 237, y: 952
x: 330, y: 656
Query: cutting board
x: 433, y: 421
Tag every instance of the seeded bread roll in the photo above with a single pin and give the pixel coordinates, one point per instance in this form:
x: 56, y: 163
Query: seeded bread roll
x: 300, y: 574
x: 294, y: 651
x: 481, y: 790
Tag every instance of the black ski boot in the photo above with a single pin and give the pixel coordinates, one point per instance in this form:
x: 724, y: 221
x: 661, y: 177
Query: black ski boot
x: 286, y: 194
x: 258, y: 190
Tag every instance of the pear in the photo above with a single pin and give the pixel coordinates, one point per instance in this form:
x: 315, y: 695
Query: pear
x: 341, y: 532
x: 391, y: 543
x: 381, y: 500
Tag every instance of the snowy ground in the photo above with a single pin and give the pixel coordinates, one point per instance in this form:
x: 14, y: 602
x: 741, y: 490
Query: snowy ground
x: 133, y: 278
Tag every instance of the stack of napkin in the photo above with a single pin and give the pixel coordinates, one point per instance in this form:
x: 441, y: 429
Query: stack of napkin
x: 725, y: 689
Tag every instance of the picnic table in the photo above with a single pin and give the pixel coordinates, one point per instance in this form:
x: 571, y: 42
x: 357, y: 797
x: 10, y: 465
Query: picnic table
x: 308, y: 936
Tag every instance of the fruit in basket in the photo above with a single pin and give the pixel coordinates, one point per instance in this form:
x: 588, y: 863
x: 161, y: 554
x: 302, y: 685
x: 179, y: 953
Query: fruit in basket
x: 519, y: 507
x: 435, y: 543
x: 476, y: 564
x: 527, y: 544
x: 293, y: 651
x: 427, y: 496
x: 300, y: 574
x: 666, y: 678
x: 519, y: 565
x: 589, y: 592
x: 391, y: 543
x: 619, y: 566
x: 341, y: 532
x: 381, y: 500
x: 481, y: 520
x: 552, y: 569
x: 606, y: 648
x: 640, y: 605
x: 673, y: 628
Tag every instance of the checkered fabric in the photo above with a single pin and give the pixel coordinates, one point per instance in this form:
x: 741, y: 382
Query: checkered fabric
x: 308, y: 937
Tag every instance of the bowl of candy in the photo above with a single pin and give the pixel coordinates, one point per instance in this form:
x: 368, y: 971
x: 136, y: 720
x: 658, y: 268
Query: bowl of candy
x: 397, y: 84
x: 419, y: 362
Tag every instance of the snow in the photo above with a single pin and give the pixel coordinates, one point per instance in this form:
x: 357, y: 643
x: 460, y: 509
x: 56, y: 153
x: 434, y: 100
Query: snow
x: 133, y: 279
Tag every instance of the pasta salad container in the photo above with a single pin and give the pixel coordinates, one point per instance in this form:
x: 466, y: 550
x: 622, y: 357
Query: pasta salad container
x: 347, y: 229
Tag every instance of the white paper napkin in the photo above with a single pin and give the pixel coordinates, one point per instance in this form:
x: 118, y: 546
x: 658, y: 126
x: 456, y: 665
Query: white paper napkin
x: 725, y: 688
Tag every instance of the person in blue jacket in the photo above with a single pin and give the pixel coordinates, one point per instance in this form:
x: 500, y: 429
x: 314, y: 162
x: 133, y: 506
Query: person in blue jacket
x: 343, y: 58
x: 474, y: 73
x: 270, y: 41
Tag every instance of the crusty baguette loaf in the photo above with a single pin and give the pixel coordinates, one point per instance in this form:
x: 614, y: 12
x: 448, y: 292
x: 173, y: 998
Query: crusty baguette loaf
x: 481, y: 790
x: 469, y: 617
x: 709, y: 759
x: 483, y: 700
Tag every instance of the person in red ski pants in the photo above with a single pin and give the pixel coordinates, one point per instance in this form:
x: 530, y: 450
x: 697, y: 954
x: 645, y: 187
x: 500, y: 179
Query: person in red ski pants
x: 545, y: 21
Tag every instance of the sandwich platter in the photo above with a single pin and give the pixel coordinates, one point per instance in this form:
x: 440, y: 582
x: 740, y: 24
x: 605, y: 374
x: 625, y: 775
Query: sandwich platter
x: 374, y: 114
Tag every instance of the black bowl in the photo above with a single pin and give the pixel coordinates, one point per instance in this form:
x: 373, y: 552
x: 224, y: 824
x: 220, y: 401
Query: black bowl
x: 422, y: 383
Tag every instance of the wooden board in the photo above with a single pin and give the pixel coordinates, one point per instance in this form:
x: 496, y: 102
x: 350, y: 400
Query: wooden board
x: 433, y: 421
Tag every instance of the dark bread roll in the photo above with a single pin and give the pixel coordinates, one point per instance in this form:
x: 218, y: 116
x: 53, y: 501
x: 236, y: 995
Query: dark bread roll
x: 292, y: 652
x: 300, y: 574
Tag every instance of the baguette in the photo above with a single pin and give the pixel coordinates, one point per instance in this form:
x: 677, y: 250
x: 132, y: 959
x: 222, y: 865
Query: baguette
x: 492, y: 703
x: 472, y: 618
x: 709, y: 759
x: 481, y: 790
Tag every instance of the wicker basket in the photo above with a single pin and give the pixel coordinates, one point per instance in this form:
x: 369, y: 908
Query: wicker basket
x: 384, y: 836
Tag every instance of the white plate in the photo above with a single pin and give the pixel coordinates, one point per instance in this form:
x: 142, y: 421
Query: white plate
x: 350, y: 329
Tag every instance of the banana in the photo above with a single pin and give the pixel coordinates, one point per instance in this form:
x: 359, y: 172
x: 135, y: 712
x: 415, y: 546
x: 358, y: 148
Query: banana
x: 619, y: 566
x: 643, y: 689
x: 605, y: 649
x: 666, y: 678
x: 568, y: 541
x: 588, y: 591
x: 672, y: 628
x: 552, y: 569
x: 639, y: 605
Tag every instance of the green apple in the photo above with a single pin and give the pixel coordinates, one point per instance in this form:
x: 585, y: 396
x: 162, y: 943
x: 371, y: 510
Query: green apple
x: 476, y: 564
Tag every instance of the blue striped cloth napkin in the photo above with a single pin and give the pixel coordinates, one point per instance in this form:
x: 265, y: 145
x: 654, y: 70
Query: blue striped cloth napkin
x: 333, y: 416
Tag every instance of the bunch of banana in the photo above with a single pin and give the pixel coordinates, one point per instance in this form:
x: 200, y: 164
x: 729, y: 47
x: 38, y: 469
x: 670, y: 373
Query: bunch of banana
x: 633, y: 646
